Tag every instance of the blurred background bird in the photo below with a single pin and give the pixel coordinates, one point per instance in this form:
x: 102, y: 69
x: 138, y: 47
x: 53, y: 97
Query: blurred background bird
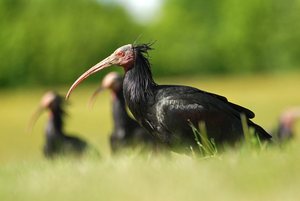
x: 127, y: 133
x: 57, y: 142
x: 286, y: 125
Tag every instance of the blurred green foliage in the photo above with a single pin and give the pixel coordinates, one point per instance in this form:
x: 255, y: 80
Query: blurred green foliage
x: 228, y: 36
x: 53, y: 41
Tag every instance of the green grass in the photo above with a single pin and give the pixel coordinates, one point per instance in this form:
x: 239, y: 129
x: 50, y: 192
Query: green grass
x: 271, y: 173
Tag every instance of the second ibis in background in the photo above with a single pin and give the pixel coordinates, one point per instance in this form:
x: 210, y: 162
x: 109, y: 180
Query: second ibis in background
x: 127, y: 133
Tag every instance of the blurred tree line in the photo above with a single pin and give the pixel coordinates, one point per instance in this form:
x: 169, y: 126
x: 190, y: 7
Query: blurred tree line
x: 53, y: 41
x: 228, y: 36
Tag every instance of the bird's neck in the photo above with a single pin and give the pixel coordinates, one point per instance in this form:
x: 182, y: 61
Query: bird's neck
x: 138, y: 86
x: 55, y: 124
x: 120, y: 116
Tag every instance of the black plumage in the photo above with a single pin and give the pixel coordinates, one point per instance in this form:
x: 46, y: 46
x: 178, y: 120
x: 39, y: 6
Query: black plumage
x: 57, y: 142
x: 166, y: 110
x: 127, y: 133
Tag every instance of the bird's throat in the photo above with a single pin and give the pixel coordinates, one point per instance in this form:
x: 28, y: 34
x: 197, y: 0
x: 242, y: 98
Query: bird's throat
x: 138, y: 85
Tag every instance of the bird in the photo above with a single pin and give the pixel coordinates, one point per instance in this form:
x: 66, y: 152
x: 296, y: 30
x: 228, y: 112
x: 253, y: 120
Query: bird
x: 167, y: 111
x: 57, y: 142
x: 127, y: 133
x: 287, y: 120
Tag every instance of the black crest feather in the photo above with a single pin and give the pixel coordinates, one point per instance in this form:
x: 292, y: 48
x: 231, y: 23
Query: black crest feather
x: 143, y: 48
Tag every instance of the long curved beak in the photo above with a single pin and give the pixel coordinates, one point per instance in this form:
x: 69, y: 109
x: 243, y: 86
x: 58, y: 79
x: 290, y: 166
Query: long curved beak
x: 109, y: 61
x: 93, y: 97
x: 34, y: 118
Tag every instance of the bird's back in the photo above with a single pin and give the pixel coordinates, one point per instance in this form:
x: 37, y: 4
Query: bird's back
x: 175, y: 107
x: 64, y: 145
x: 75, y: 144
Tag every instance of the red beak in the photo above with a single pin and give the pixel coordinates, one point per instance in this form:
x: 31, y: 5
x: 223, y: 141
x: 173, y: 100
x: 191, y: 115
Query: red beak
x: 34, y: 118
x: 93, y: 97
x: 109, y: 61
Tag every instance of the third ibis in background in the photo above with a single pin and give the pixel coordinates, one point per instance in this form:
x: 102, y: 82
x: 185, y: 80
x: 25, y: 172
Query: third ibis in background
x: 286, y: 124
x: 57, y: 141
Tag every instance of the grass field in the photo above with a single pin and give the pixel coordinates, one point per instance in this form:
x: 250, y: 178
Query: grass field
x: 244, y: 174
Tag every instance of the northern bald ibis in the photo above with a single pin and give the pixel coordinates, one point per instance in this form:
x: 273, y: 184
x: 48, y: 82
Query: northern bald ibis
x: 57, y: 142
x: 127, y: 133
x: 286, y: 125
x: 166, y: 111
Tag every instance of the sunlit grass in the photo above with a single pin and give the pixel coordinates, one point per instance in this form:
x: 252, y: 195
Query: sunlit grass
x: 234, y: 175
x: 206, y: 146
x: 271, y: 173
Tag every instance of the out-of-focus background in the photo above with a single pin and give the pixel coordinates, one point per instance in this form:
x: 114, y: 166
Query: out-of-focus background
x: 47, y: 42
x: 248, y: 51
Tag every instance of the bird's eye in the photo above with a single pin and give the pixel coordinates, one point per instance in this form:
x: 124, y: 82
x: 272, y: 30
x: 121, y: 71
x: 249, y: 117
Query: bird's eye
x: 120, y: 54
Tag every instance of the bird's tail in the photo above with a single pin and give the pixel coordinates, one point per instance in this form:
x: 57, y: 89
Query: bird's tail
x: 262, y: 134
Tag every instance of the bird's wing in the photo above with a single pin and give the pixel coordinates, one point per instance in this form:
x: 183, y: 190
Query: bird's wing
x: 239, y: 108
x: 189, y: 101
x: 186, y: 92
